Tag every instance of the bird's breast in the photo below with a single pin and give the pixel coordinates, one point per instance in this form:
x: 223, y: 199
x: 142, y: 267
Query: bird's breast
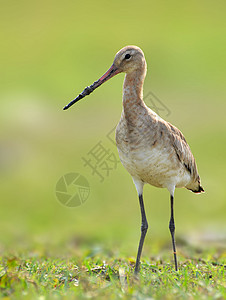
x: 144, y: 153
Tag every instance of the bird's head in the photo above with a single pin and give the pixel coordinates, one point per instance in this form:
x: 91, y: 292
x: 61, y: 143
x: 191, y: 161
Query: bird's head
x: 127, y: 60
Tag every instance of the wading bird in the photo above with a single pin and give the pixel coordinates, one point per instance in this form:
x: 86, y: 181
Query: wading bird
x: 152, y: 150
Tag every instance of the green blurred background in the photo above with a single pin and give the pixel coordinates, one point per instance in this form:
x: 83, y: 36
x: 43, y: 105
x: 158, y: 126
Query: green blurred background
x: 50, y: 51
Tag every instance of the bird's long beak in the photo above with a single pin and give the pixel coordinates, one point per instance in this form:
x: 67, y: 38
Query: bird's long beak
x: 89, y: 89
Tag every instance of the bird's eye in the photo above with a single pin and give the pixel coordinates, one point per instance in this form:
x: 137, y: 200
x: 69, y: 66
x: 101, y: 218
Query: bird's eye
x: 127, y: 56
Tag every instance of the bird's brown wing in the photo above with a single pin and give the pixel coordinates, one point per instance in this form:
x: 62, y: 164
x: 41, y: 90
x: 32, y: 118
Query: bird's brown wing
x: 183, y: 151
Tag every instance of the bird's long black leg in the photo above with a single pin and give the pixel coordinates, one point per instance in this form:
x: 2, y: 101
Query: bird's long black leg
x: 144, y: 228
x: 172, y: 231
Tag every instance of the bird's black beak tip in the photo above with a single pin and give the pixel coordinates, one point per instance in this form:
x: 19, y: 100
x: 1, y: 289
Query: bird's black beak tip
x: 66, y: 107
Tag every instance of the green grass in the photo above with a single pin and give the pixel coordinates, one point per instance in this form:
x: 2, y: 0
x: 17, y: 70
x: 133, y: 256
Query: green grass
x: 102, y: 276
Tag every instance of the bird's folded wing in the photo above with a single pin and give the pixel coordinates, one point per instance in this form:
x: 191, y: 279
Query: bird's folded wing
x: 183, y: 150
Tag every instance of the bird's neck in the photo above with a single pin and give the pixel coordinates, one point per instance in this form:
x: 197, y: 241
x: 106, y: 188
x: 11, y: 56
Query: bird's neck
x: 133, y: 91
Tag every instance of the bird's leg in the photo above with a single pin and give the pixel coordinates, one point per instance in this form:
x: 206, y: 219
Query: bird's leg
x: 172, y: 231
x: 144, y: 228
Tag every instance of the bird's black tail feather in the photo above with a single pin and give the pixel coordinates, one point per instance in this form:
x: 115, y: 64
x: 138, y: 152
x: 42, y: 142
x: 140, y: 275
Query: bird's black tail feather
x: 199, y: 190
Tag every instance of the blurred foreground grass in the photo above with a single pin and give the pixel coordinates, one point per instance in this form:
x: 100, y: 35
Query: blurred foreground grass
x: 103, y: 275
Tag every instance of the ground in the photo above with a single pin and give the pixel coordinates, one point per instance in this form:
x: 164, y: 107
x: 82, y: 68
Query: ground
x: 99, y: 274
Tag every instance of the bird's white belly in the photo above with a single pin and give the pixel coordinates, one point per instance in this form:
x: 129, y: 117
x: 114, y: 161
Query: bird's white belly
x: 155, y: 166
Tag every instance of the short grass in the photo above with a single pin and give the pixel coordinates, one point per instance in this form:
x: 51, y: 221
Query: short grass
x: 106, y: 276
